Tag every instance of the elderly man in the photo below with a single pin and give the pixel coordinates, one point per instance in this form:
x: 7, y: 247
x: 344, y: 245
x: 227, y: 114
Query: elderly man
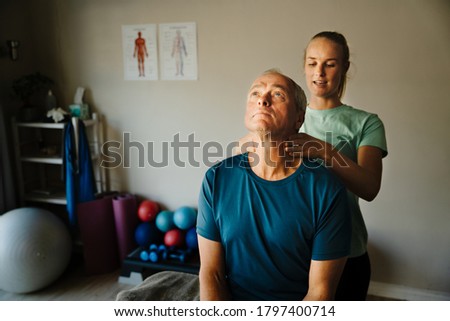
x: 270, y: 226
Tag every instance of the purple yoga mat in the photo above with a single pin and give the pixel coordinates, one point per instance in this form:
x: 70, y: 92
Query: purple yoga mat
x: 98, y: 235
x: 126, y: 219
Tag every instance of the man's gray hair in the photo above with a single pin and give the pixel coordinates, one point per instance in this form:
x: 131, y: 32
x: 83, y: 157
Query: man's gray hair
x: 299, y: 94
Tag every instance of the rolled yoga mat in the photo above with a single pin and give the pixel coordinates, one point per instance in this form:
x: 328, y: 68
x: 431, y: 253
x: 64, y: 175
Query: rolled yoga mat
x: 126, y: 219
x: 98, y: 235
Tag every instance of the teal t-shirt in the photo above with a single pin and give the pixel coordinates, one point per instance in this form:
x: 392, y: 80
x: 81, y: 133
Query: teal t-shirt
x: 347, y: 129
x: 271, y: 230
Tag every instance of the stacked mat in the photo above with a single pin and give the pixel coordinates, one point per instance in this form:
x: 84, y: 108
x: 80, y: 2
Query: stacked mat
x: 107, y: 227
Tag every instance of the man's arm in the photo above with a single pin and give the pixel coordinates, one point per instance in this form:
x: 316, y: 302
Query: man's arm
x: 324, y: 277
x: 213, y: 285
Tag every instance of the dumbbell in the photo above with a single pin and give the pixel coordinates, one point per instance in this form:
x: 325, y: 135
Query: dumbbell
x: 144, y: 255
x: 156, y: 252
x: 179, y: 255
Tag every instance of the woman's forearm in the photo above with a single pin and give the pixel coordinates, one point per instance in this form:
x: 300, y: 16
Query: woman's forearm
x: 362, y: 178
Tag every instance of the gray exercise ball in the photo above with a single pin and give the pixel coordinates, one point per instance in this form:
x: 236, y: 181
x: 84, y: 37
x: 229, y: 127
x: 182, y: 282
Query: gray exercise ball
x: 35, y: 249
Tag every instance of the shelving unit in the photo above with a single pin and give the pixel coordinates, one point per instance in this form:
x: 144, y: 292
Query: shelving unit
x: 39, y: 154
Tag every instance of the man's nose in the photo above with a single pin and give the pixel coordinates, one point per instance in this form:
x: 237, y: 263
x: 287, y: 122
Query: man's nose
x: 264, y: 101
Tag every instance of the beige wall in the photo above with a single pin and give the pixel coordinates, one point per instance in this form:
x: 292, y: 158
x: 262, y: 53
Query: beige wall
x: 401, y: 71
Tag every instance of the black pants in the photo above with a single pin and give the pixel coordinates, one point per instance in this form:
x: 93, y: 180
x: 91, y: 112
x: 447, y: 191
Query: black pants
x: 355, y: 279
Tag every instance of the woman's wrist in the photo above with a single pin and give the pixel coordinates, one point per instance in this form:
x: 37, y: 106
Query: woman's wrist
x: 327, y: 154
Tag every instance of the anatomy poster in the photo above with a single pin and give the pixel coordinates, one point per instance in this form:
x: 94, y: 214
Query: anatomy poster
x: 178, y: 51
x: 140, y: 58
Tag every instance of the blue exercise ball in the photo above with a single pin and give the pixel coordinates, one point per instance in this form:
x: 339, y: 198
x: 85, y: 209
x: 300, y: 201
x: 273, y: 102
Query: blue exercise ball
x: 164, y: 221
x: 147, y: 233
x: 35, y: 249
x: 185, y: 217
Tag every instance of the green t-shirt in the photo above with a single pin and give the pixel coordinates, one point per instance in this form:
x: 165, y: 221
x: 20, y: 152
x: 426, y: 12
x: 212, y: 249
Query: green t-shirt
x: 347, y: 129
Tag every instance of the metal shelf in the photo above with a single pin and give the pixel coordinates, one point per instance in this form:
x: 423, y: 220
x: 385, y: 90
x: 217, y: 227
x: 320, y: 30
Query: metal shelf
x: 34, y: 156
x: 54, y: 198
x: 87, y: 122
x: 57, y: 160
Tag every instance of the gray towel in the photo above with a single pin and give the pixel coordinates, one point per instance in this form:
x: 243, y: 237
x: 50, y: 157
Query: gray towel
x: 164, y: 286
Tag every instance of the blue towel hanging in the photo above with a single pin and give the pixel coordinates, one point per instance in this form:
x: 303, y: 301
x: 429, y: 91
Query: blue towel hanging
x: 78, y: 171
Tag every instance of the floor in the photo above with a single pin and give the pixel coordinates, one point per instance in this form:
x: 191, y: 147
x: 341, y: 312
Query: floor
x: 75, y: 285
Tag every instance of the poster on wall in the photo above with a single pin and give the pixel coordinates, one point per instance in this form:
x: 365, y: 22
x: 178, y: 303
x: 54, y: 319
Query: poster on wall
x: 178, y: 51
x: 140, y: 60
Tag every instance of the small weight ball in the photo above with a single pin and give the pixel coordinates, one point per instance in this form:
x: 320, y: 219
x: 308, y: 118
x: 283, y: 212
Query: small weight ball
x: 35, y: 249
x: 185, y: 217
x: 148, y: 210
x: 174, y: 237
x: 164, y: 221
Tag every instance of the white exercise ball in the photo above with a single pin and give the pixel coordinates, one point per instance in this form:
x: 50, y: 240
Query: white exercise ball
x: 35, y: 249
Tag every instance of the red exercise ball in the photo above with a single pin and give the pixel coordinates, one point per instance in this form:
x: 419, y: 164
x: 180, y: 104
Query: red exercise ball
x: 175, y: 237
x: 148, y: 210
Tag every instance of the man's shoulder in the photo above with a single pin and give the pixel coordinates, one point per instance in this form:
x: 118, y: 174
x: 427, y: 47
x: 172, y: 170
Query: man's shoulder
x: 228, y: 164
